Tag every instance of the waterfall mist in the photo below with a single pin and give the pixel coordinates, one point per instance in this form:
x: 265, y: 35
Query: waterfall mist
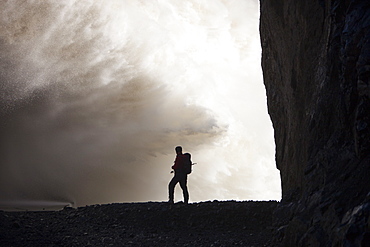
x: 95, y: 95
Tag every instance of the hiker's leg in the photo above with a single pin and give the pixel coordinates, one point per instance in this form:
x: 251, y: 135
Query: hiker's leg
x: 184, y: 187
x: 171, y: 188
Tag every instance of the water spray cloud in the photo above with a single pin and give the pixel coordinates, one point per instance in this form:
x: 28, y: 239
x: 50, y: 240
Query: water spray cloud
x: 95, y: 95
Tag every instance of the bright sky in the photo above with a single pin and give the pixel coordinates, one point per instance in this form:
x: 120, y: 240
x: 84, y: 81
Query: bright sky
x: 102, y: 92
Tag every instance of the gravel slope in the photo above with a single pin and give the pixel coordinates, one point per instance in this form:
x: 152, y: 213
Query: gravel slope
x: 214, y: 223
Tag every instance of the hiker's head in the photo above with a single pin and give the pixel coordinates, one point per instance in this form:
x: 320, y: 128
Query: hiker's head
x: 178, y: 150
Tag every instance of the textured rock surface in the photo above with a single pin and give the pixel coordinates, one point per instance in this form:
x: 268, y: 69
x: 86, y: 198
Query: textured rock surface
x: 316, y: 66
x: 142, y: 224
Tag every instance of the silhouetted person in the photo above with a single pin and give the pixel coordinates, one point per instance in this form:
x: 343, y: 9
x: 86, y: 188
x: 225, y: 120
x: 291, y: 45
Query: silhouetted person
x: 180, y: 176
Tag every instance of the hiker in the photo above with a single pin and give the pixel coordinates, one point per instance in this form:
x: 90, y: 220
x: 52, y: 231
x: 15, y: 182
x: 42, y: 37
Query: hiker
x: 180, y: 175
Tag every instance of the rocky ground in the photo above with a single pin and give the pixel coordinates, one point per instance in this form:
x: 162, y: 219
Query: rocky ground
x: 214, y: 223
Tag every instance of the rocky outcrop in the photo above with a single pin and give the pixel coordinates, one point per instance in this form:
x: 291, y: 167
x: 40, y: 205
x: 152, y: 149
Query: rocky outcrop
x: 316, y: 68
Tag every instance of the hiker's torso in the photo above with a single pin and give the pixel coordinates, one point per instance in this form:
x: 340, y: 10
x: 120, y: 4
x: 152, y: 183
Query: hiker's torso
x: 179, y: 162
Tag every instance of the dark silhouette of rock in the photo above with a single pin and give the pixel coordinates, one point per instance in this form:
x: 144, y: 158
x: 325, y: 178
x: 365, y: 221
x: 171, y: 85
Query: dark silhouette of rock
x: 316, y: 67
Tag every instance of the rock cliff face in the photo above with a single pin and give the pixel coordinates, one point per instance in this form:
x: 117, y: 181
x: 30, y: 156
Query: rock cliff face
x: 316, y: 67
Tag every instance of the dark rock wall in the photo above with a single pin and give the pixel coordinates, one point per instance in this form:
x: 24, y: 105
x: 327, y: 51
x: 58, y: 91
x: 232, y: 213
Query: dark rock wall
x: 316, y: 67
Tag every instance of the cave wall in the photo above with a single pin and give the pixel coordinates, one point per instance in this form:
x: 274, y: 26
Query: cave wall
x: 316, y: 68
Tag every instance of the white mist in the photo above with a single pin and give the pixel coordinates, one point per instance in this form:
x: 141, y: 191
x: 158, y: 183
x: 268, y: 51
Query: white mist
x: 95, y: 96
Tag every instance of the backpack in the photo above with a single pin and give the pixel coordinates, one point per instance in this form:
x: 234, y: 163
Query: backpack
x: 187, y: 163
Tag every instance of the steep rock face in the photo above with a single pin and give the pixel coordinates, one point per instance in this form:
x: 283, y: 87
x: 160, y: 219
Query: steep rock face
x: 316, y: 67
